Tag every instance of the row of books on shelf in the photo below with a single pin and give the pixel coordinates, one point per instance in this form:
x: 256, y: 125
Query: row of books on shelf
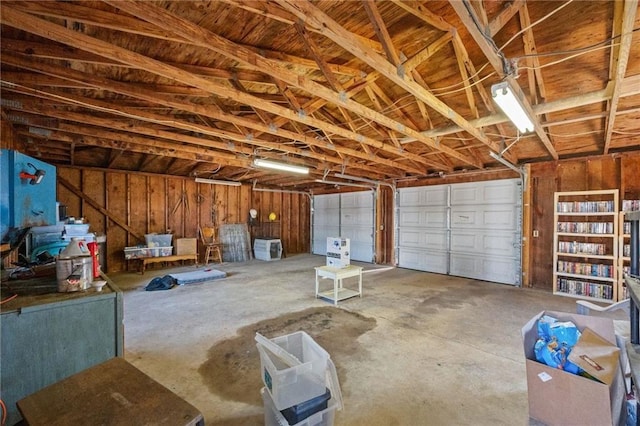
x: 630, y: 205
x: 626, y: 228
x: 586, y: 206
x: 590, y: 269
x: 581, y: 288
x: 574, y: 247
x: 626, y: 250
x: 586, y: 227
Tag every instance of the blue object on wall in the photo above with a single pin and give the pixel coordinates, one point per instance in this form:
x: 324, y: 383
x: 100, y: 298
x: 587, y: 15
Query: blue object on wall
x: 27, y: 191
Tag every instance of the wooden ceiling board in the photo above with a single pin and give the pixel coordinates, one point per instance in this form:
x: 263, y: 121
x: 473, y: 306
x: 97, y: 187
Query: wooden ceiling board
x: 305, y: 98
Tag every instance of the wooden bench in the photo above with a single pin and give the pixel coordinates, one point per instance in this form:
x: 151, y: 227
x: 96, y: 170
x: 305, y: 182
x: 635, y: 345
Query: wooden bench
x: 144, y: 261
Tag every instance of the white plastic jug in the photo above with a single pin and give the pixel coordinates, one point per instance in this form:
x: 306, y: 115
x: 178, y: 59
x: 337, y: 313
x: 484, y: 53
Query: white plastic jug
x: 74, y: 267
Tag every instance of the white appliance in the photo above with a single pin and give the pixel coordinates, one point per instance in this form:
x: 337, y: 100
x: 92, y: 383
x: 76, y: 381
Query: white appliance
x: 338, y: 250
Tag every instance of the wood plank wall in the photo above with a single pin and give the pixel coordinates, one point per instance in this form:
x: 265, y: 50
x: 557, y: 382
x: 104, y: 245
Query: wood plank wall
x: 126, y: 206
x: 151, y: 203
x: 595, y: 173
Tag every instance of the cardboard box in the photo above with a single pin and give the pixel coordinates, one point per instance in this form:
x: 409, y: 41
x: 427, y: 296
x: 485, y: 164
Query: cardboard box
x: 186, y: 246
x: 338, y: 252
x: 560, y: 398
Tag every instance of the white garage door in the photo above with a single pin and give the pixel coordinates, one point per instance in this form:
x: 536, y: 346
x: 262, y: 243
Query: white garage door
x: 423, y: 235
x: 469, y: 229
x: 326, y: 221
x: 347, y: 215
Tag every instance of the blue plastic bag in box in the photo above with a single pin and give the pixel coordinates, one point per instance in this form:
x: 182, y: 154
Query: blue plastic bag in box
x: 555, y: 342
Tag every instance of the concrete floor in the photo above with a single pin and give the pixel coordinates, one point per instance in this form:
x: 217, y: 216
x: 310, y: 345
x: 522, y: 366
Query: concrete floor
x: 416, y: 349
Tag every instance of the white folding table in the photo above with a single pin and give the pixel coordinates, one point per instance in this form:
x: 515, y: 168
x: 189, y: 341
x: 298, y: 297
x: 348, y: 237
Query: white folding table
x: 337, y: 275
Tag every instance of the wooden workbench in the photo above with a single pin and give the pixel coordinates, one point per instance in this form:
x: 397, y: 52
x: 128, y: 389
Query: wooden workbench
x: 114, y: 393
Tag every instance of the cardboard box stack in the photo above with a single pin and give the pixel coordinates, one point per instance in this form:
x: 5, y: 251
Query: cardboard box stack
x: 301, y: 384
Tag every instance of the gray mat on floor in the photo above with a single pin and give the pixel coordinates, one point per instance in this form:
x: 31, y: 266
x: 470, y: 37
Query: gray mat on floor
x: 201, y: 275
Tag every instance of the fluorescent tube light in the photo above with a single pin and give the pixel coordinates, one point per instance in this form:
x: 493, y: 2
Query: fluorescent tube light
x: 218, y: 182
x: 261, y: 162
x: 509, y: 103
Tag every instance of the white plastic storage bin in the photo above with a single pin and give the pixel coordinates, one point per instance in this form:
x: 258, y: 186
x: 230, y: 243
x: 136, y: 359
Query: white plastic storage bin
x: 290, y: 384
x: 273, y: 416
x: 158, y: 240
x: 160, y: 251
x: 135, y: 252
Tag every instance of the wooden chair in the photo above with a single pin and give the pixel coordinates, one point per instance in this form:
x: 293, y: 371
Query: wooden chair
x: 208, y: 238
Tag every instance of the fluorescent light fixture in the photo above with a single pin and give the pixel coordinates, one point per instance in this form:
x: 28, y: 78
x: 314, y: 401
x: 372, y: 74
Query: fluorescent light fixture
x: 509, y: 103
x: 261, y: 162
x: 218, y: 182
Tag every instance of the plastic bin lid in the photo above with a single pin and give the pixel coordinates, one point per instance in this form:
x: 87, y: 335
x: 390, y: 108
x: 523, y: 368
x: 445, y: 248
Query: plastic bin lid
x: 272, y: 347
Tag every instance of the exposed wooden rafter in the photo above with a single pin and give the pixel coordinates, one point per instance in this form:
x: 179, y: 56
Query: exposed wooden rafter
x: 468, y: 17
x: 80, y: 41
x: 619, y: 63
x: 396, y: 89
x: 212, y: 41
x: 316, y: 18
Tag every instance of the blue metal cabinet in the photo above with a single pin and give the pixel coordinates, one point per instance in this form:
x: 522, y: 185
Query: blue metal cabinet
x: 23, y: 204
x: 46, y: 338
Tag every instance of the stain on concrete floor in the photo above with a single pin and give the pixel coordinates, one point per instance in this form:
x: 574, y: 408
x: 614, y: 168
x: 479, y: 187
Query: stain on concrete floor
x: 456, y: 297
x: 233, y: 366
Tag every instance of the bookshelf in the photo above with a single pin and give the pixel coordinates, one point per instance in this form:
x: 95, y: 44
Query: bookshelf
x: 585, y: 245
x: 624, y: 245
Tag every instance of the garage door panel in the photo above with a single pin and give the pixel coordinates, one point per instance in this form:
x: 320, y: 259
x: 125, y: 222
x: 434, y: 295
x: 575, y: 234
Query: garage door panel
x: 361, y: 251
x: 320, y: 234
x: 326, y: 219
x: 501, y: 270
x: 488, y: 243
x: 492, y: 192
x: 327, y: 201
x: 356, y: 199
x: 423, y: 196
x: 484, y: 217
x: 358, y: 235
x: 433, y: 217
x: 423, y: 260
x: 430, y: 239
x: 357, y: 217
x: 464, y: 194
x: 501, y: 192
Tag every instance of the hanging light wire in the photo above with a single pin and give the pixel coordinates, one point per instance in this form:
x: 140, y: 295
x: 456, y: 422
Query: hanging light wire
x: 535, y: 23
